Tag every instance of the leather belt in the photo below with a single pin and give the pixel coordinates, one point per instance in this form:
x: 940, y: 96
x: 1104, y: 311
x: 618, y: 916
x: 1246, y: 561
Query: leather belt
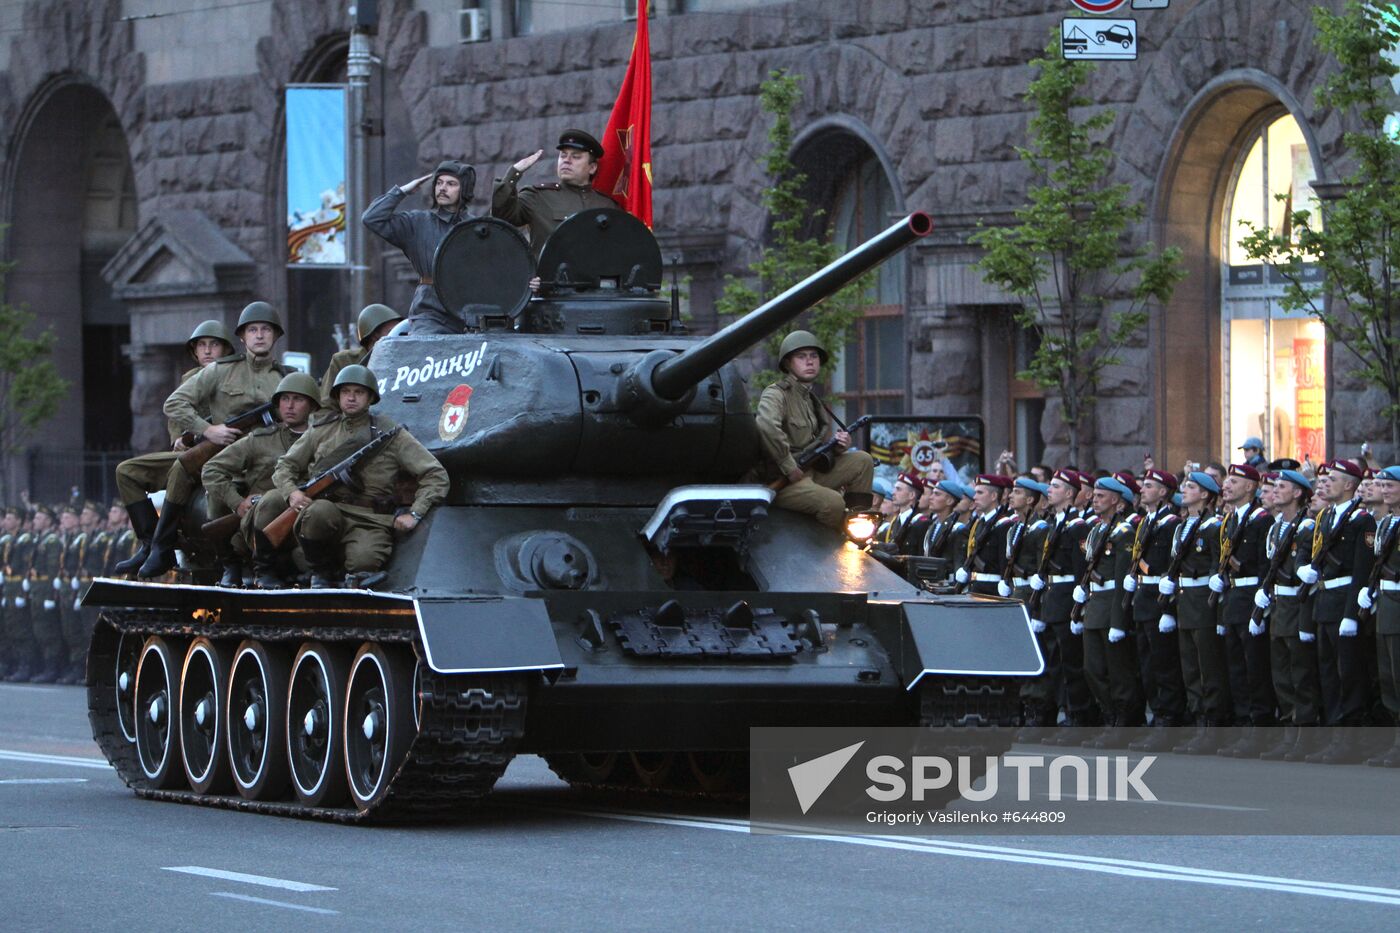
x: 426, y: 280
x: 1245, y: 581
x: 1020, y: 581
x: 1286, y: 590
x: 378, y: 506
x: 1103, y: 587
x: 1339, y: 581
x: 986, y: 577
x: 1063, y: 578
x: 1193, y: 581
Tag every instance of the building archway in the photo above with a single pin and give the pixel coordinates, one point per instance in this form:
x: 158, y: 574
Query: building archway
x: 72, y: 206
x: 1209, y: 145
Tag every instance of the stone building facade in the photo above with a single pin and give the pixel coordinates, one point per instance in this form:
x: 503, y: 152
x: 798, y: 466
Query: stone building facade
x: 141, y: 150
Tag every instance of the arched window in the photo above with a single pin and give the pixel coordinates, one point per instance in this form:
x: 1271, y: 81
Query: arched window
x: 1274, y: 365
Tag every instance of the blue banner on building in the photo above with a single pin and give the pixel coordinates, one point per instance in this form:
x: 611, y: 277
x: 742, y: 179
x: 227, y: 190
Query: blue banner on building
x: 317, y: 234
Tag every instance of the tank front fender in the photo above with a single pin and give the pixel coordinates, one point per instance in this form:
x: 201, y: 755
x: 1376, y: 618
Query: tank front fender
x: 477, y: 636
x: 967, y: 636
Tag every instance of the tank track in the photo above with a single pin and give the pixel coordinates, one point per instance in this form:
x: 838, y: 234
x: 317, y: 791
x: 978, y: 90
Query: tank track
x: 469, y: 725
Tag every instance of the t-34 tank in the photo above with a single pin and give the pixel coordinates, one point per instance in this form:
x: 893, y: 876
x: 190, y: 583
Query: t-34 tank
x: 599, y: 588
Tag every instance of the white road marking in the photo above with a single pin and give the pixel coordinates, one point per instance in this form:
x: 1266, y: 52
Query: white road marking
x: 266, y: 882
x: 270, y: 903
x: 1049, y: 859
x: 68, y: 760
x: 45, y: 781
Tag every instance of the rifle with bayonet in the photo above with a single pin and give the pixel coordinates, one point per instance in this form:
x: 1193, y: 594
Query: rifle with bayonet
x: 1285, y: 547
x: 339, y: 475
x: 201, y: 450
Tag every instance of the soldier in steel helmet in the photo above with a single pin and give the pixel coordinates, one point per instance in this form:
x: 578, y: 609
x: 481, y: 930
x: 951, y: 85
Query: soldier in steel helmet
x: 374, y: 322
x: 240, y: 474
x: 419, y: 232
x: 790, y: 419
x: 350, y: 532
x: 200, y: 406
x: 542, y: 208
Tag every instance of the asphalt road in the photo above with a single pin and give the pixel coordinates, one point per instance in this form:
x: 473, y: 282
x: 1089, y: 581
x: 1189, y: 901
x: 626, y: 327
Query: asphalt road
x: 81, y: 852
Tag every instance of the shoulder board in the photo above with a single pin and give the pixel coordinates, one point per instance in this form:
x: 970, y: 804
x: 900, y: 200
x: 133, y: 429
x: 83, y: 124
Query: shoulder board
x: 1039, y: 524
x: 265, y: 430
x: 236, y: 358
x: 1071, y: 522
x: 1169, y: 518
x: 1125, y: 525
x: 1261, y: 515
x: 553, y: 187
x: 1306, y: 524
x: 1359, y: 513
x: 325, y: 419
x: 1211, y: 522
x: 1005, y: 519
x: 383, y: 423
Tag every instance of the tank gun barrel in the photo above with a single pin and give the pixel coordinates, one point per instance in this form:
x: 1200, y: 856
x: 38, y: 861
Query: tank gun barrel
x: 673, y: 378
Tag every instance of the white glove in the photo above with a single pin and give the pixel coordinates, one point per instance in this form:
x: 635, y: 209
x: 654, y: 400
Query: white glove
x: 1037, y: 582
x: 57, y: 583
x: 1166, y: 587
x: 1220, y: 630
x: 19, y: 602
x: 1256, y: 629
x: 1076, y: 628
x: 76, y: 586
x: 1364, y: 600
x: 1167, y: 624
x: 961, y: 575
x: 1307, y: 573
x: 1130, y: 583
x: 1217, y: 583
x: 1348, y: 628
x: 4, y: 602
x: 49, y: 605
x: 24, y: 584
x: 1003, y: 589
x: 1081, y: 596
x: 1261, y: 599
x: 1115, y: 635
x: 1306, y: 637
x: 1037, y: 626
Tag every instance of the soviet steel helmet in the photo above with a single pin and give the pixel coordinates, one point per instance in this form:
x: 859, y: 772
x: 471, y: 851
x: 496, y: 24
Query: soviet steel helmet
x: 259, y: 312
x: 210, y: 328
x: 372, y: 318
x: 800, y: 340
x: 359, y: 376
x: 301, y: 384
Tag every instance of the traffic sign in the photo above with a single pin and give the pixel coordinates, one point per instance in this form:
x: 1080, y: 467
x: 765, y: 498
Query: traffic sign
x: 1098, y: 6
x: 1103, y: 40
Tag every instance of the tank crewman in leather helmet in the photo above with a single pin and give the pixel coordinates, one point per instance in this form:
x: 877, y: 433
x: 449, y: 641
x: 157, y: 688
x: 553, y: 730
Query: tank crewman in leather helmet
x: 140, y: 476
x: 544, y: 207
x: 353, y: 528
x: 240, y: 474
x: 229, y: 387
x: 790, y: 419
x: 419, y: 232
x: 374, y: 322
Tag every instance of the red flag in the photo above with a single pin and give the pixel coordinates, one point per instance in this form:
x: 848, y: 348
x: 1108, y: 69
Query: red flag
x: 624, y: 172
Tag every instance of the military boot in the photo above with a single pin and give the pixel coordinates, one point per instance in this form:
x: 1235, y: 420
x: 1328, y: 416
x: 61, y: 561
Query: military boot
x: 1344, y: 749
x: 1388, y: 757
x: 320, y: 557
x: 233, y: 574
x: 1252, y: 744
x: 1310, y: 739
x: 162, y: 558
x: 143, y: 523
x: 266, y: 574
x: 1206, y: 741
x: 1159, y: 738
x: 1287, y: 738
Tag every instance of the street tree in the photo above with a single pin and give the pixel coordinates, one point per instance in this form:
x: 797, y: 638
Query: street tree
x: 1341, y: 262
x: 1083, y: 295
x: 30, y: 386
x: 792, y: 252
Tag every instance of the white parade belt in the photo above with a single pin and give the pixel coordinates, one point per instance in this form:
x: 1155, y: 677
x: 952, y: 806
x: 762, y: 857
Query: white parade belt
x: 1103, y: 587
x: 1194, y: 581
x: 1339, y: 581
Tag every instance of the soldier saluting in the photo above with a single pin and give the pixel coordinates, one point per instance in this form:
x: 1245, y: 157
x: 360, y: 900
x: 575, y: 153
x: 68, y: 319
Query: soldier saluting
x: 543, y: 207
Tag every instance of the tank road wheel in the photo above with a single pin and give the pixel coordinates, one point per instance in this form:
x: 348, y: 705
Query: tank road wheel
x: 653, y: 769
x: 719, y: 772
x: 378, y: 721
x: 257, y: 696
x: 124, y: 683
x: 314, y: 737
x: 202, y: 706
x: 157, y: 735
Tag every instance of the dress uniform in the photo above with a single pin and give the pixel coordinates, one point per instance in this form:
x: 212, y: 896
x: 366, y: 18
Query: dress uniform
x: 371, y: 318
x: 1196, y: 556
x: 244, y: 468
x: 20, y: 631
x: 124, y: 544
x: 1025, y: 539
x: 75, y: 547
x: 418, y: 233
x: 544, y: 207
x: 789, y: 420
x: 1110, y: 651
x: 1384, y: 605
x: 1061, y: 564
x: 905, y: 532
x: 984, y: 555
x: 941, y: 533
x: 9, y: 527
x: 45, y: 585
x: 1291, y: 631
x: 1151, y: 556
x: 1343, y: 551
x: 359, y: 522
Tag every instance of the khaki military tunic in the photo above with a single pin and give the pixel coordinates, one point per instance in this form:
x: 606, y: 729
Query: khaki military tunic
x: 360, y: 521
x: 789, y: 420
x: 339, y: 361
x: 144, y: 474
x: 246, y: 464
x: 542, y: 207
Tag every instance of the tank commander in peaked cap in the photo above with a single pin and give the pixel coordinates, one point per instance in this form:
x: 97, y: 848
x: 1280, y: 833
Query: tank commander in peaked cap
x: 790, y: 419
x: 543, y: 207
x: 374, y: 322
x: 419, y: 232
x: 353, y: 528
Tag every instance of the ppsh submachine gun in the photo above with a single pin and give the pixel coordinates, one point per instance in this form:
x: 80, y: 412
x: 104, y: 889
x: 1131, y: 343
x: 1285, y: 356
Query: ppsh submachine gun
x: 599, y: 588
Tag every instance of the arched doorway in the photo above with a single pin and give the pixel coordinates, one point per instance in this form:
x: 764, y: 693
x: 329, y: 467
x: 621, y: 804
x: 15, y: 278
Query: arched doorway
x: 73, y: 205
x: 851, y: 180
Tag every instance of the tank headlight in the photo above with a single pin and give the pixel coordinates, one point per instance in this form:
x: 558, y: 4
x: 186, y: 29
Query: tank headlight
x: 861, y: 527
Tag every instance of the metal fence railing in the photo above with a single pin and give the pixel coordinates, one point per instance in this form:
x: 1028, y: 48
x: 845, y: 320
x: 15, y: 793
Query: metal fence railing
x: 53, y: 475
